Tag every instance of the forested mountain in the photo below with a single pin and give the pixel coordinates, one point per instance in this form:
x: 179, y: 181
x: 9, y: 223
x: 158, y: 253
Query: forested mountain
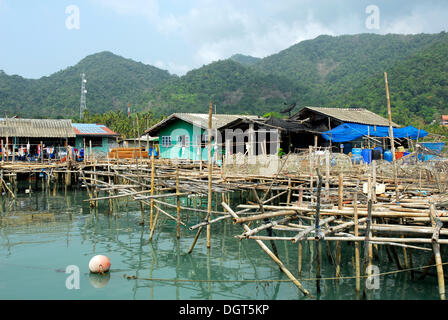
x: 330, y: 66
x: 244, y: 60
x: 231, y: 86
x: 418, y: 88
x: 343, y: 71
x: 112, y: 83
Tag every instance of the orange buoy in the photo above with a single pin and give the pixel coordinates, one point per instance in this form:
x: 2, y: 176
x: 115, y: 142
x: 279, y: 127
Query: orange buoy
x: 99, y: 264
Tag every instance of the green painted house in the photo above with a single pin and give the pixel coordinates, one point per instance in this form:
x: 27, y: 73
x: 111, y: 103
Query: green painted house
x: 185, y: 135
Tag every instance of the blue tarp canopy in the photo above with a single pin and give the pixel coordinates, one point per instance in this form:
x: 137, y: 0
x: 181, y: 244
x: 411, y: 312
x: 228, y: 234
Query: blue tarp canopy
x: 352, y: 131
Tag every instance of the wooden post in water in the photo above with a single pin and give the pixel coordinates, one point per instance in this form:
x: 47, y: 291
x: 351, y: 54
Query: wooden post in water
x: 338, y: 243
x: 299, y: 203
x: 391, y: 135
x: 355, y: 217
x: 317, y: 231
x: 178, y: 203
x: 210, y: 168
x: 210, y: 171
x: 96, y: 183
x: 68, y: 175
x: 367, y: 244
x: 151, y: 215
x: 111, y: 202
x: 436, y: 249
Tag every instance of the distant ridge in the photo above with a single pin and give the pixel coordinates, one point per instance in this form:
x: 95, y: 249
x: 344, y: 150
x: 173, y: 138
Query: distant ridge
x: 344, y: 71
x: 244, y: 60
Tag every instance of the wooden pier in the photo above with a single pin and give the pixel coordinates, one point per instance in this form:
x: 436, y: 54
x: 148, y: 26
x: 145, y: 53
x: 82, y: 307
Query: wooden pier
x: 317, y: 203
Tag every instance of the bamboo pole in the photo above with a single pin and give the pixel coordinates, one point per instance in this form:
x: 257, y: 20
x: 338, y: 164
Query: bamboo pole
x: 340, y: 191
x: 357, y: 264
x: 271, y: 255
x: 266, y: 220
x: 436, y: 249
x: 299, y: 203
x: 317, y: 230
x: 391, y: 135
x: 210, y: 172
x: 151, y: 214
x: 178, y: 203
x: 288, y: 200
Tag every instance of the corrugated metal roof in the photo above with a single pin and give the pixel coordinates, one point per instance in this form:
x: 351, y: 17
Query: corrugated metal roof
x: 90, y: 129
x: 362, y: 116
x: 36, y: 128
x: 198, y: 119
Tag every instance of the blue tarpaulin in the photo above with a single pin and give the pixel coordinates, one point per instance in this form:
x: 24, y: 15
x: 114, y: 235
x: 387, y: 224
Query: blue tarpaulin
x: 352, y: 131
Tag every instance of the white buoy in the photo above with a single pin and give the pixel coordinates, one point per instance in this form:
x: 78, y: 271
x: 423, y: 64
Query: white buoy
x: 99, y: 264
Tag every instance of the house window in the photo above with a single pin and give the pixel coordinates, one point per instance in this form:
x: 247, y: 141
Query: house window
x: 183, y: 141
x: 166, y: 141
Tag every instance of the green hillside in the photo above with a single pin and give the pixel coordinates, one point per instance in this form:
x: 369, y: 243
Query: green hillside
x: 112, y: 82
x: 343, y: 71
x: 334, y: 65
x: 231, y: 86
x: 418, y: 88
x: 244, y: 60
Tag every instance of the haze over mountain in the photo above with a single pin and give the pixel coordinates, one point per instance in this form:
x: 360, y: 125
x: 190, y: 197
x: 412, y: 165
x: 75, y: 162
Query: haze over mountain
x: 343, y: 71
x: 244, y: 60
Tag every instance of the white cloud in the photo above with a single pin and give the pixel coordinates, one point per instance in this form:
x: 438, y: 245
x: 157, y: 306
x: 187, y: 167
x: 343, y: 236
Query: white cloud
x: 420, y: 19
x: 172, y: 67
x: 218, y: 29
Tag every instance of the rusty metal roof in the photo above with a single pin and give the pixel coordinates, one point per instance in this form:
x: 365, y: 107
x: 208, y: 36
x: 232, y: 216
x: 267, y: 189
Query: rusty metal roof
x: 352, y: 115
x: 36, y: 128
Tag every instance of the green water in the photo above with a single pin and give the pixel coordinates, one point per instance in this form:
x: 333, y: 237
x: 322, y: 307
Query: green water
x: 42, y: 234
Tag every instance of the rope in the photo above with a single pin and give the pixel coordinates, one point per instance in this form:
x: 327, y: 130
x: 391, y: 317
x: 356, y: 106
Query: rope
x: 279, y: 280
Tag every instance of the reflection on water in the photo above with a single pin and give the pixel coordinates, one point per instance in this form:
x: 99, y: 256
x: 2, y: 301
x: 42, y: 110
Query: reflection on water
x: 42, y: 234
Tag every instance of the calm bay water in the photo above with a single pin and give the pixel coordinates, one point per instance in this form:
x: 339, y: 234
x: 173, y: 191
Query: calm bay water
x: 42, y: 234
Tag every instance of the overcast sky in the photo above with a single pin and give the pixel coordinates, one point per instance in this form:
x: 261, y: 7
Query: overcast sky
x: 40, y: 37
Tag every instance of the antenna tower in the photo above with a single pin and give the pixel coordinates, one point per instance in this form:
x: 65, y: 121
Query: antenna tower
x: 83, y: 105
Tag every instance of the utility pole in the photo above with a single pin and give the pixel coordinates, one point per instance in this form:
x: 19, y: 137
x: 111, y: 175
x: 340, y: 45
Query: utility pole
x: 83, y: 105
